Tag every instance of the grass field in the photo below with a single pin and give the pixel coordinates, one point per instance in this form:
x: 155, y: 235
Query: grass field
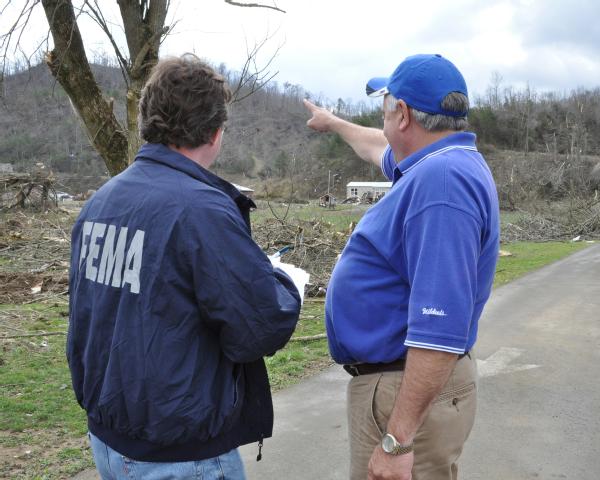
x: 42, y: 428
x: 340, y: 217
x: 526, y: 257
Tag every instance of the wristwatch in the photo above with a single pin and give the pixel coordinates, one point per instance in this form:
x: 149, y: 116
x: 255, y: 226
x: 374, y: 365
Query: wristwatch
x: 390, y: 445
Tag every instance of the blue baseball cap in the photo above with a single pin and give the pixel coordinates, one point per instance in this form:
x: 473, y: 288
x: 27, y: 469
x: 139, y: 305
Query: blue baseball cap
x: 422, y: 81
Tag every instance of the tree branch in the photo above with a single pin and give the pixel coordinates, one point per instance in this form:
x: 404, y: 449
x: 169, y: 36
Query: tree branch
x: 140, y: 61
x: 259, y: 77
x: 144, y: 29
x: 34, y: 335
x: 253, y: 5
x: 308, y: 338
x: 132, y: 19
x: 19, y: 25
x: 97, y: 16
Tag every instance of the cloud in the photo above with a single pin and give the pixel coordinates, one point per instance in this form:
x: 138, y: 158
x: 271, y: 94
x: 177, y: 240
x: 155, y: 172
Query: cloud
x: 335, y: 46
x: 554, y: 69
x: 448, y: 22
x: 556, y: 23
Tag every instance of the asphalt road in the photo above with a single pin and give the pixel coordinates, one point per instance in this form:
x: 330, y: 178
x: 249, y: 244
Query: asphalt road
x: 539, y: 391
x: 542, y: 422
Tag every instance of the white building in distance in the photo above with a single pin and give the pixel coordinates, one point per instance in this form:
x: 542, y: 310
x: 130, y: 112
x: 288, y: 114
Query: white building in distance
x: 358, y: 189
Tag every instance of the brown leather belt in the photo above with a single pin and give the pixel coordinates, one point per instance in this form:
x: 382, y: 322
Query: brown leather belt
x: 357, y: 369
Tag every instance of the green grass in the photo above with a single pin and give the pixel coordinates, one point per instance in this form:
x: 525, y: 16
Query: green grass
x: 528, y: 256
x: 39, y: 413
x: 340, y: 217
x: 37, y: 389
x: 301, y: 358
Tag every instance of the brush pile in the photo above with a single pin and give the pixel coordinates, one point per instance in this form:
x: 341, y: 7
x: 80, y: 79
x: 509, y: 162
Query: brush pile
x: 316, y: 246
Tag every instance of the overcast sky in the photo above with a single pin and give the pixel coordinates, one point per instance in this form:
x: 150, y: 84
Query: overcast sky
x: 331, y: 47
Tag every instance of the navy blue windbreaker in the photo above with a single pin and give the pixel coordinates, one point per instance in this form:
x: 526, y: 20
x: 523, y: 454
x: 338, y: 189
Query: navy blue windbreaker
x: 172, y: 307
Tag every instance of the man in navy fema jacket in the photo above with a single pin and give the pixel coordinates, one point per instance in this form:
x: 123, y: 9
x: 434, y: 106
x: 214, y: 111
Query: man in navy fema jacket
x: 172, y: 304
x: 405, y: 298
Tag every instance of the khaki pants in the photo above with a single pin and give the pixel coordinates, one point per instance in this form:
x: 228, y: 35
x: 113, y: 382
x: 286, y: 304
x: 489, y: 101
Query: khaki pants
x: 439, y: 441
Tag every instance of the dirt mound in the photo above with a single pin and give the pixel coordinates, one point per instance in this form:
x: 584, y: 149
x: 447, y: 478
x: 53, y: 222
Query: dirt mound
x: 16, y: 287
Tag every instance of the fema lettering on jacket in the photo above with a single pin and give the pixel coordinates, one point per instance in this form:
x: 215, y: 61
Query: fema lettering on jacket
x: 107, y: 262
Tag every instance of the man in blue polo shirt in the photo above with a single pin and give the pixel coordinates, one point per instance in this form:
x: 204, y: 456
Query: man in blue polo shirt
x: 405, y: 298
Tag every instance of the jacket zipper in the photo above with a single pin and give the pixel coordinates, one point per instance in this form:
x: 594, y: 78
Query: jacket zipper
x: 260, y: 445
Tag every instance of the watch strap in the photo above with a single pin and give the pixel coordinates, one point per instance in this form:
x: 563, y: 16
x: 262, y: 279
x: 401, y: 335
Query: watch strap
x: 397, y: 448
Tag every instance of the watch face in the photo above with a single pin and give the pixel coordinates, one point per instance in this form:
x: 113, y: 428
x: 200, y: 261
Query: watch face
x: 388, y: 443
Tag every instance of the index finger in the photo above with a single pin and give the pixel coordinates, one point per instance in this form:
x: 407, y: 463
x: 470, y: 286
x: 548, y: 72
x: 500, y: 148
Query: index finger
x: 311, y: 106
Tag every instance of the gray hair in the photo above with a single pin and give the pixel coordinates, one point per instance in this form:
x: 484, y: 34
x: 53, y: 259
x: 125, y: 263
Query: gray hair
x: 453, y: 102
x: 390, y: 103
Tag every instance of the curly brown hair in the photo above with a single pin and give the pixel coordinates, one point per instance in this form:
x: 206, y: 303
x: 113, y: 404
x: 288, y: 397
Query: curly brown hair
x: 183, y: 103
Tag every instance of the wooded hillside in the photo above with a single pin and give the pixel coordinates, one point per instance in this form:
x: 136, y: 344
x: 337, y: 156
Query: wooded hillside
x: 537, y: 144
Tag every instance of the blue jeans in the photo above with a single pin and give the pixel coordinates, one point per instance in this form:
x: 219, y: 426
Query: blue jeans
x: 113, y: 466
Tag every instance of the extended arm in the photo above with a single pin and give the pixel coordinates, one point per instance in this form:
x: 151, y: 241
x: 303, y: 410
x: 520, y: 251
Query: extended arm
x: 368, y: 143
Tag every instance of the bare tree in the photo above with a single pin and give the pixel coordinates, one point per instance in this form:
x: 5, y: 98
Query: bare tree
x: 143, y: 22
x: 493, y: 90
x: 253, y: 76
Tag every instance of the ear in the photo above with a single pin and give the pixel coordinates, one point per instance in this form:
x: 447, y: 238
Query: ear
x: 216, y: 137
x: 405, y: 117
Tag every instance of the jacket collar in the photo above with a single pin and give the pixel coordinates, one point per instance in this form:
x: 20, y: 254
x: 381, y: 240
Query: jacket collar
x: 459, y: 140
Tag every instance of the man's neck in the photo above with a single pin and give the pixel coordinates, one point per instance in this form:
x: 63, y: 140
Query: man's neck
x: 198, y: 155
x: 419, y: 141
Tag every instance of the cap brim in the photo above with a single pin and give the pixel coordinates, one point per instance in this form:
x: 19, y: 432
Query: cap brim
x: 377, y: 86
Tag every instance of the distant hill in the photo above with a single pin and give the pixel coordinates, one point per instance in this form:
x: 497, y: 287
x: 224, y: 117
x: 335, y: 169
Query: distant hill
x: 266, y: 135
x: 545, y: 143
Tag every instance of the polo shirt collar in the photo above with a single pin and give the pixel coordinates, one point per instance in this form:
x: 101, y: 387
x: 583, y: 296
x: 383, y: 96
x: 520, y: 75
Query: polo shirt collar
x: 464, y: 140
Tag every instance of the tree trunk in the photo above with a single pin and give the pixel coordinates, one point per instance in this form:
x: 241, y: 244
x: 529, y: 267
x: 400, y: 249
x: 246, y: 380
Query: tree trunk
x: 133, y: 136
x: 69, y: 65
x: 144, y: 28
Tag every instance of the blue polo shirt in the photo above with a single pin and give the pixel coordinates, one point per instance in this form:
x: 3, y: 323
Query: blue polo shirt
x: 419, y: 266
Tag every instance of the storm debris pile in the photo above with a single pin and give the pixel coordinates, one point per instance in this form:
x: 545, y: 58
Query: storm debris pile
x: 28, y: 190
x: 316, y: 246
x: 581, y: 219
x: 34, y: 255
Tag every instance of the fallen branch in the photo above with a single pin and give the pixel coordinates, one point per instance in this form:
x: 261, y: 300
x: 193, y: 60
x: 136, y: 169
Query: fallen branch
x: 46, y: 297
x: 11, y: 328
x: 308, y: 338
x: 32, y: 335
x: 253, y: 5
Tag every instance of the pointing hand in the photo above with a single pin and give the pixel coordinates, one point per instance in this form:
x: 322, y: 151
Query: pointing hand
x: 321, y: 119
